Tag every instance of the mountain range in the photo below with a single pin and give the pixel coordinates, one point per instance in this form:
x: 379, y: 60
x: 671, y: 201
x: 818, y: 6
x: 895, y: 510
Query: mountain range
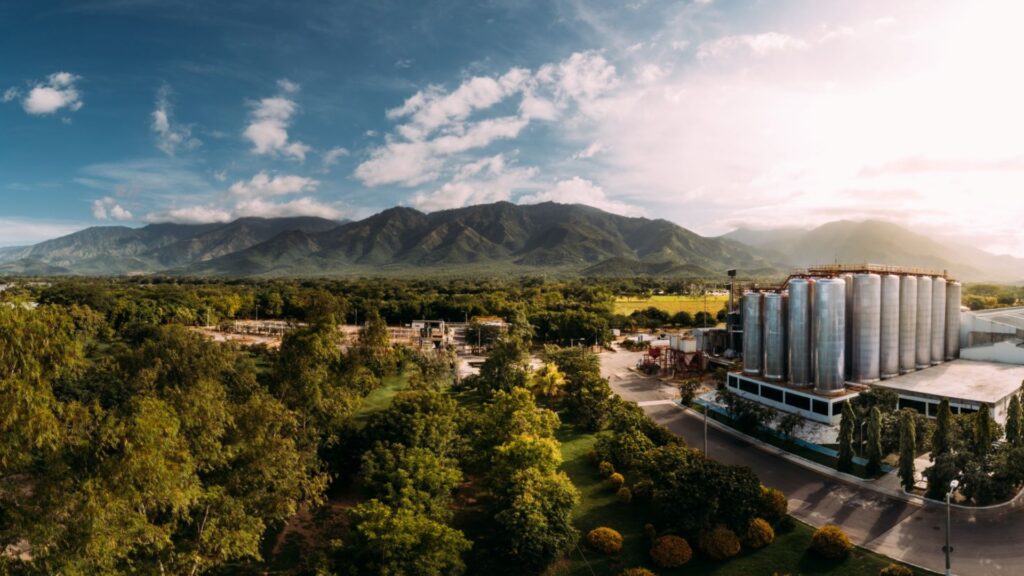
x: 491, y: 238
x: 499, y: 238
x: 879, y: 242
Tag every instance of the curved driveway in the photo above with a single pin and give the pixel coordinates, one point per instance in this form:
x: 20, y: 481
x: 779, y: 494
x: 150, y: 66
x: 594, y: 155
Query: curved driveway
x: 984, y: 542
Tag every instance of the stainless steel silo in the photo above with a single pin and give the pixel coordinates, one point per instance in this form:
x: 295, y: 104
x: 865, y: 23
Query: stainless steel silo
x: 850, y: 322
x: 867, y: 325
x: 938, y: 320
x: 752, y: 333
x: 889, y: 344
x: 830, y: 335
x: 774, y: 336
x: 799, y: 332
x: 908, y: 324
x: 953, y: 295
x: 924, y: 322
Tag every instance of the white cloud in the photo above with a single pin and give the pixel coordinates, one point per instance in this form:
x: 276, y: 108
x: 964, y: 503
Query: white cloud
x: 10, y: 95
x: 170, y: 137
x: 440, y: 125
x: 190, y: 215
x: 268, y: 129
x: 56, y: 93
x: 220, y: 175
x: 260, y: 208
x: 578, y: 190
x: 107, y: 208
x: 332, y: 156
x: 757, y: 44
x: 483, y: 181
x: 589, y: 152
x: 262, y: 185
x: 287, y: 86
x: 27, y: 231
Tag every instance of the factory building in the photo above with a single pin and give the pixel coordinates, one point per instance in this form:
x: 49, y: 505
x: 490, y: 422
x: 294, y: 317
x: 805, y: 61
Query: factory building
x: 830, y: 332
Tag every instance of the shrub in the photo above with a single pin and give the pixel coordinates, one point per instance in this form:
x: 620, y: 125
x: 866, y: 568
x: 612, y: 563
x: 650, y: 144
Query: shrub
x: 606, y: 468
x: 650, y: 531
x: 896, y: 570
x: 671, y: 551
x: 592, y: 455
x: 830, y: 542
x: 759, y: 534
x: 616, y: 480
x: 604, y: 540
x: 642, y: 490
x: 719, y: 543
x: 636, y: 572
x: 773, y: 505
x: 625, y: 495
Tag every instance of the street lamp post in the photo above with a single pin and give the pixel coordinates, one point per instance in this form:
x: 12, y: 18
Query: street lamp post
x: 706, y: 408
x: 952, y: 486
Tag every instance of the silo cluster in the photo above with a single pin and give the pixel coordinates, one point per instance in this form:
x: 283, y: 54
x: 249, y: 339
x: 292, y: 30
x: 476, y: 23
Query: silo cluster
x: 858, y: 328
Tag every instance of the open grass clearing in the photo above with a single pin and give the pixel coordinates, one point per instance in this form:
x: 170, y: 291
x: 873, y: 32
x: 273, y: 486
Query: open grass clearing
x: 671, y: 304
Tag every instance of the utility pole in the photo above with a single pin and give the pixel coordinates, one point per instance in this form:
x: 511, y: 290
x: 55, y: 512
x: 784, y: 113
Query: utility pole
x: 953, y: 485
x: 707, y: 407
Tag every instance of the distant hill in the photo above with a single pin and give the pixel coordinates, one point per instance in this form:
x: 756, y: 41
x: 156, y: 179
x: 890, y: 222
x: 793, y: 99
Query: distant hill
x: 879, y: 243
x: 498, y: 238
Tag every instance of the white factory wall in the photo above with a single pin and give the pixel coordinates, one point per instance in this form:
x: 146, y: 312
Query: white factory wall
x: 1008, y: 352
x: 971, y: 322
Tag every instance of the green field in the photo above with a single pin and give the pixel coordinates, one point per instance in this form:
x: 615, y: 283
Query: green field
x: 599, y: 507
x: 672, y: 304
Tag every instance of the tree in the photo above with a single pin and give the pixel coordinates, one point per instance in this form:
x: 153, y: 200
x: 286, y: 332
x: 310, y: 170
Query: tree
x: 942, y: 437
x: 509, y: 415
x: 523, y: 452
x: 535, y: 518
x: 983, y: 431
x: 874, y: 450
x: 413, y: 478
x: 507, y: 368
x: 547, y: 381
x: 1014, y: 422
x: 387, y: 540
x: 908, y: 449
x: 846, y: 423
x: 374, y: 345
x: 426, y: 419
x: 688, y: 391
x: 790, y: 424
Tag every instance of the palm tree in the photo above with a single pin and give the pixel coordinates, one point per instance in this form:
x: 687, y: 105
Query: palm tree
x: 547, y: 381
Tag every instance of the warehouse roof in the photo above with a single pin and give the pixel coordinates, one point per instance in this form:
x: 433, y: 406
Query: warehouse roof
x: 987, y: 382
x: 1010, y: 316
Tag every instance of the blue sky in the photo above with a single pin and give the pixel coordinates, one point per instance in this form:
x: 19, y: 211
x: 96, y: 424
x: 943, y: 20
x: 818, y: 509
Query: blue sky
x: 713, y: 114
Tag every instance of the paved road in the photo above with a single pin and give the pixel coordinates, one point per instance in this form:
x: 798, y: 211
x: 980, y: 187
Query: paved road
x: 985, y: 542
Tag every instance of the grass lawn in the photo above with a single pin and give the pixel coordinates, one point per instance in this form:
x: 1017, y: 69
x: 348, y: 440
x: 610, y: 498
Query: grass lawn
x: 672, y: 304
x: 380, y: 397
x: 599, y: 507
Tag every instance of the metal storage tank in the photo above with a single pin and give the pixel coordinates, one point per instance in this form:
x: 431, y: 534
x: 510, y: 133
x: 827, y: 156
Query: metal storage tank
x: 867, y: 319
x: 848, y: 353
x: 752, y: 333
x: 924, y: 322
x: 889, y: 344
x: 953, y: 295
x: 799, y: 332
x: 774, y: 336
x: 938, y: 320
x: 908, y: 324
x: 830, y: 335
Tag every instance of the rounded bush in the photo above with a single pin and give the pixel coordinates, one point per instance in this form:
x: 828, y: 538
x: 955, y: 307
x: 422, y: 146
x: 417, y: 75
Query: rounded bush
x: 625, y: 495
x: 606, y: 468
x: 896, y: 570
x: 759, y: 534
x: 773, y: 504
x: 642, y: 490
x: 616, y: 480
x: 831, y: 543
x: 636, y: 572
x: 671, y: 551
x: 720, y: 543
x: 604, y: 540
x: 650, y: 531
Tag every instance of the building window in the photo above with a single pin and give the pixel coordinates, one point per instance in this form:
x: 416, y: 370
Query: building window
x: 748, y: 386
x: 733, y: 379
x: 917, y: 405
x: 821, y: 407
x: 837, y: 408
x: 797, y: 401
x: 771, y: 393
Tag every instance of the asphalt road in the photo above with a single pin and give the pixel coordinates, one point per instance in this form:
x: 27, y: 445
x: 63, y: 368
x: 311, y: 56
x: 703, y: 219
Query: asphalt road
x: 984, y: 542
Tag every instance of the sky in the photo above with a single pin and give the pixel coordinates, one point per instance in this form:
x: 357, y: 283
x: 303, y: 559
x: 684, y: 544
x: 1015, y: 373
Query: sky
x: 713, y: 114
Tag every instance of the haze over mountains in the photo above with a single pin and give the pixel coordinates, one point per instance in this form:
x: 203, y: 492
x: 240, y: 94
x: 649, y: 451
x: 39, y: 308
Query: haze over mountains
x: 879, y: 242
x: 490, y: 238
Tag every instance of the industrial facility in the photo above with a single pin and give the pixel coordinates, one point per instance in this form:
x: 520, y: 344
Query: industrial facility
x: 829, y: 332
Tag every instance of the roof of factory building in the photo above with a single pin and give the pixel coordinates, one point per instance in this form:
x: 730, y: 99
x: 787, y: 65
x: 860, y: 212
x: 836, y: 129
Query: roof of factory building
x: 962, y: 380
x: 1010, y: 316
